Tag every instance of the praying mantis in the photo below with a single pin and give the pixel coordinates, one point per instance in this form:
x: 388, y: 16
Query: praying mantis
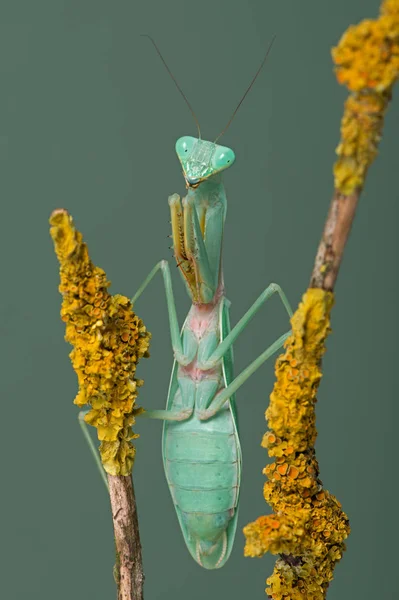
x: 200, y: 442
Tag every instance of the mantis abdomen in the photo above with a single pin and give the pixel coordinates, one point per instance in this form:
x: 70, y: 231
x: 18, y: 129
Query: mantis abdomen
x: 202, y: 459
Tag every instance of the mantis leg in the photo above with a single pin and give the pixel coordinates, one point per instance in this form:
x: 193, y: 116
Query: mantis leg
x: 184, y: 400
x: 229, y: 340
x: 184, y: 355
x: 196, y: 251
x: 226, y: 393
x: 92, y: 447
x: 168, y: 415
x: 197, y: 231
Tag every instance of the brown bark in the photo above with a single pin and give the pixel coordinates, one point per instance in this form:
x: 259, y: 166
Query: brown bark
x: 128, y: 570
x: 332, y: 244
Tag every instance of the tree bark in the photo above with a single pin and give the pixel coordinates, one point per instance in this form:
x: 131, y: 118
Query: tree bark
x: 336, y: 232
x: 128, y: 569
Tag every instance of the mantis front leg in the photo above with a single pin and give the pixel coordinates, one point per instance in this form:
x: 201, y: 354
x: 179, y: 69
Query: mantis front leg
x: 203, y: 244
x: 197, y: 237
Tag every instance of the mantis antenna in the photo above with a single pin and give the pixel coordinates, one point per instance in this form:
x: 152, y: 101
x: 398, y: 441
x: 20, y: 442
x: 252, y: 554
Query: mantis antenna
x: 247, y: 90
x: 174, y: 79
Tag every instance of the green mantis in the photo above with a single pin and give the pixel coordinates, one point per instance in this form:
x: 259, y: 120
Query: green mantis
x: 200, y: 446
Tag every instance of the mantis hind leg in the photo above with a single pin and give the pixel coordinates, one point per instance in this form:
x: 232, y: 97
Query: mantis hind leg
x: 227, y: 392
x: 168, y: 415
x: 183, y: 401
x: 93, y: 449
x: 226, y: 345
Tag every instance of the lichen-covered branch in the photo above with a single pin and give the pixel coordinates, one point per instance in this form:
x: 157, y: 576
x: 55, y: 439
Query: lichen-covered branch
x: 367, y: 62
x: 308, y: 528
x: 108, y: 341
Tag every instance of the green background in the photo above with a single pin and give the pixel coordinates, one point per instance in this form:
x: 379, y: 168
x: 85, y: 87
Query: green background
x: 88, y: 121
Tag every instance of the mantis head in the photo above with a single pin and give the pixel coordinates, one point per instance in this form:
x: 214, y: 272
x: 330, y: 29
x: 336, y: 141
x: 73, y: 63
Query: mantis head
x: 201, y: 160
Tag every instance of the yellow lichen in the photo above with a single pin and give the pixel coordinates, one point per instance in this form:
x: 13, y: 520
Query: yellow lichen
x: 367, y: 62
x: 308, y: 527
x: 108, y: 341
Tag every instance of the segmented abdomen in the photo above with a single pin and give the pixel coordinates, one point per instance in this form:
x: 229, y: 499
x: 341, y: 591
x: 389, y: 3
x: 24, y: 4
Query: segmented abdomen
x: 201, y: 463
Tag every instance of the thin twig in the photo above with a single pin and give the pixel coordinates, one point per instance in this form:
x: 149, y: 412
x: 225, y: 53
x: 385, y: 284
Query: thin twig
x: 128, y: 569
x: 336, y: 232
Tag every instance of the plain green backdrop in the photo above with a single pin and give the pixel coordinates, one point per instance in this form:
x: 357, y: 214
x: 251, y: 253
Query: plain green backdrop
x: 88, y: 121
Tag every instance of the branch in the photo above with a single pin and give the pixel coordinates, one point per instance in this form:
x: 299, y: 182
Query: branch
x: 367, y: 62
x: 108, y: 341
x: 336, y: 232
x: 128, y: 570
x: 361, y: 131
x: 308, y: 528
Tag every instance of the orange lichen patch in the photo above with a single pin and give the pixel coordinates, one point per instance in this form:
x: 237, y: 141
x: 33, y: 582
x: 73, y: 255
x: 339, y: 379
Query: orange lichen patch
x: 312, y: 526
x: 268, y: 470
x: 293, y: 473
x: 367, y: 62
x: 98, y: 326
x: 282, y: 469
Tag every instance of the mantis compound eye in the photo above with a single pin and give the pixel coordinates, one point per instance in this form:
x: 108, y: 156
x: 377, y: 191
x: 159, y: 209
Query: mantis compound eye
x: 222, y: 158
x: 184, y: 145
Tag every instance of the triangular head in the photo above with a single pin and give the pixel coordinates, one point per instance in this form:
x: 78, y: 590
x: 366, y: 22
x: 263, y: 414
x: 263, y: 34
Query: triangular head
x: 201, y: 159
